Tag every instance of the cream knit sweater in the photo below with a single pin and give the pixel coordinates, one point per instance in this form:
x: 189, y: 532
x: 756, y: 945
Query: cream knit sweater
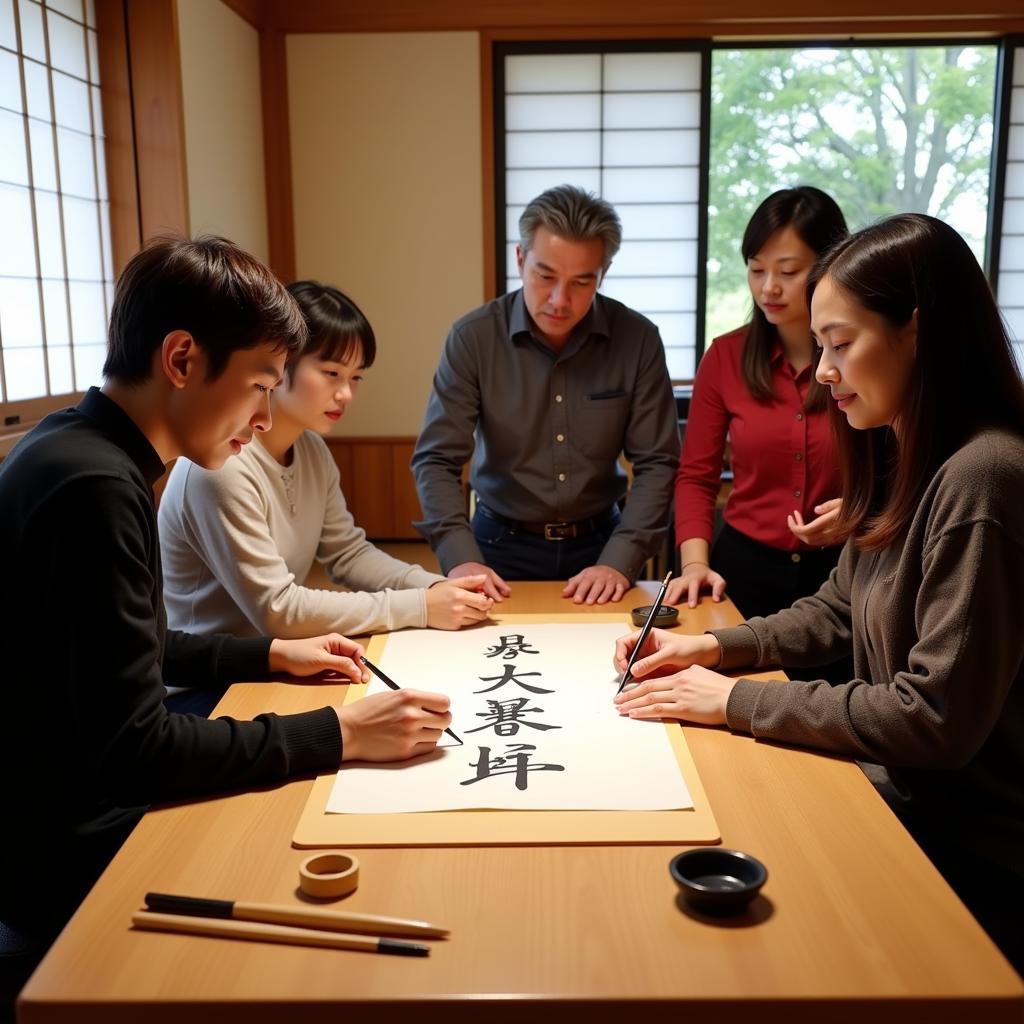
x: 237, y: 545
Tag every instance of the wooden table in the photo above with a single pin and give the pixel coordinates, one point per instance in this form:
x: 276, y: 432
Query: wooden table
x: 854, y: 923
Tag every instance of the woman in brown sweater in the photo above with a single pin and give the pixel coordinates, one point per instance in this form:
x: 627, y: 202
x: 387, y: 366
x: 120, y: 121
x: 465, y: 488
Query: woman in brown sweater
x: 928, y: 409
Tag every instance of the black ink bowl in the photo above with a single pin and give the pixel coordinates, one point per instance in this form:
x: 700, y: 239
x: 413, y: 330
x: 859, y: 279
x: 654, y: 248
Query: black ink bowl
x: 716, y: 881
x: 666, y: 617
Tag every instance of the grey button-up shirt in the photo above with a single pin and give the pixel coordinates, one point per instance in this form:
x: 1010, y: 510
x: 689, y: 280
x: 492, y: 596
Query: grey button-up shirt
x: 545, y: 429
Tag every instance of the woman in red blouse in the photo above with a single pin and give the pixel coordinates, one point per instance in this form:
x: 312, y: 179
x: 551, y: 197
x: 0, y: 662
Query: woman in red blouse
x: 756, y: 387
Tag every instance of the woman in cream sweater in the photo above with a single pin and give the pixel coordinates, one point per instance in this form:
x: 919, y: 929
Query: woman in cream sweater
x: 238, y: 544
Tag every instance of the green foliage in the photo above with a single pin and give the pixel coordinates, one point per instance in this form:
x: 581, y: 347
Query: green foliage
x: 884, y: 130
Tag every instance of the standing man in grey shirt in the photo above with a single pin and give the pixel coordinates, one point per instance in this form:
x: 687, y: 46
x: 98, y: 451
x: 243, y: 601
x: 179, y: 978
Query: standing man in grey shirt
x: 545, y: 388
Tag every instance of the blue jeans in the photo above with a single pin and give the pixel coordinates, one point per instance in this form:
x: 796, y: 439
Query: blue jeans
x: 515, y: 555
x: 193, y: 702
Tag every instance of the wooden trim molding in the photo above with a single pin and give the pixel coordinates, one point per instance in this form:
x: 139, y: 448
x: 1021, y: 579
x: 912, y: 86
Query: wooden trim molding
x: 797, y: 30
x: 487, y: 160
x: 118, y: 93
x: 277, y: 161
x: 158, y: 114
x: 119, y: 144
x: 552, y: 19
x: 249, y: 10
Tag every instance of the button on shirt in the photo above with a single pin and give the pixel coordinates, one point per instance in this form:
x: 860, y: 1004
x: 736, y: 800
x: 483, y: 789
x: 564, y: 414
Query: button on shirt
x: 783, y: 457
x: 545, y: 429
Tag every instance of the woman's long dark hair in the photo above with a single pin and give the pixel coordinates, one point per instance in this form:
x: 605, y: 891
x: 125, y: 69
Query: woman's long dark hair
x: 819, y: 224
x: 337, y: 326
x: 964, y: 378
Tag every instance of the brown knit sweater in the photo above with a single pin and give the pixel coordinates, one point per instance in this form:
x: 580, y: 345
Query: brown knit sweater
x: 936, y: 627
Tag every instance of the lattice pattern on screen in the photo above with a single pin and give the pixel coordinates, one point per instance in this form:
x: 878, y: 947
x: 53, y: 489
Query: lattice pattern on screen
x: 56, y: 276
x: 1010, y: 286
x: 627, y: 127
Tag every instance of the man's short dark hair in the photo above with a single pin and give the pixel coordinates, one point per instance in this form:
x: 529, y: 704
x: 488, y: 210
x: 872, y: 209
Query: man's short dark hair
x: 225, y: 298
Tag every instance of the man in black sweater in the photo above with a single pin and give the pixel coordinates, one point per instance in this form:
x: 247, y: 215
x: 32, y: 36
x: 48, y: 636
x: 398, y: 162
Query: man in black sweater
x: 198, y: 337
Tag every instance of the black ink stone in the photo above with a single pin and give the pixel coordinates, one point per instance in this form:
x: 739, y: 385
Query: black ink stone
x: 666, y: 618
x: 717, y: 881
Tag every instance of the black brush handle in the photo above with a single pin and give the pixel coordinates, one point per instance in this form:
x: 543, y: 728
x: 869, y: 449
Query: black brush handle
x: 402, y: 948
x: 166, y: 904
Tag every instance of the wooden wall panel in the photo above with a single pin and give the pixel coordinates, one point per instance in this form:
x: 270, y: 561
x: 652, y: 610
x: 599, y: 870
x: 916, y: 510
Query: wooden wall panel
x: 373, y: 504
x: 341, y: 449
x: 378, y: 484
x: 119, y: 144
x: 407, y: 502
x: 277, y: 154
x: 158, y: 116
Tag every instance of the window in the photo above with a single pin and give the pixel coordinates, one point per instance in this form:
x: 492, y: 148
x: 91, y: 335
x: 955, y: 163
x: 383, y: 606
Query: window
x: 686, y: 141
x: 626, y: 126
x: 1010, y: 282
x: 56, y: 277
x: 884, y: 129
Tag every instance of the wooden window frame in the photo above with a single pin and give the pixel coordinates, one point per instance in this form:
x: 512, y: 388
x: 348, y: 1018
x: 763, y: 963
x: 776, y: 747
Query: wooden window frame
x: 140, y: 71
x: 140, y: 92
x: 495, y: 227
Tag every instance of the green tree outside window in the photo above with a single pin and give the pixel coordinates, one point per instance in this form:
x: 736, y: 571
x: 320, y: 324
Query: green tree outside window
x: 885, y: 130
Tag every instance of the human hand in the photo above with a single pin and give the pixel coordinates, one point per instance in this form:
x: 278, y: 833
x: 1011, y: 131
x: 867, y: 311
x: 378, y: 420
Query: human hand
x: 598, y: 584
x: 392, y: 726
x: 818, y: 532
x: 664, y: 650
x: 493, y: 586
x: 457, y: 603
x: 696, y: 694
x: 694, y: 577
x: 333, y: 652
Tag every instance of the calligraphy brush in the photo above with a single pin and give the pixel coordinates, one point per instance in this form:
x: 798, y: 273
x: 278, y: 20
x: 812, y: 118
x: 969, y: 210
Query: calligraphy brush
x: 627, y: 675
x: 387, y: 681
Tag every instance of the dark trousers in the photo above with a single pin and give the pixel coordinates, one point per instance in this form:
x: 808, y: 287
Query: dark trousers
x: 993, y: 894
x: 991, y: 891
x: 31, y: 920
x: 20, y: 953
x: 516, y: 555
x: 761, y: 580
x: 193, y: 702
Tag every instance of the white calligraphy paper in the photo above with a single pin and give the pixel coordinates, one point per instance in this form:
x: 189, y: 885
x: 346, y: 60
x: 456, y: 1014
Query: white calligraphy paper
x: 533, y: 706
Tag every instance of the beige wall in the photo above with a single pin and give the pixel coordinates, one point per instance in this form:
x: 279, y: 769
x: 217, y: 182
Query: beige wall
x: 386, y: 166
x: 220, y: 73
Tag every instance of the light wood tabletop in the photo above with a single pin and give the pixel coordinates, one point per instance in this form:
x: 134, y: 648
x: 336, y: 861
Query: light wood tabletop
x: 854, y: 924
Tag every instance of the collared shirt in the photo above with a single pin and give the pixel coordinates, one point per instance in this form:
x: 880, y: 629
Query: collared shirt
x: 783, y: 457
x: 545, y: 429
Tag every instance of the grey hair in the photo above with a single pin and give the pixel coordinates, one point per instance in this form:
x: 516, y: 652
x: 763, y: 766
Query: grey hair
x: 575, y: 215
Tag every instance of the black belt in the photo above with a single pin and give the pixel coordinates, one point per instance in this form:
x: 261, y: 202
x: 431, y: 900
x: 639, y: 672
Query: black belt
x: 552, y: 531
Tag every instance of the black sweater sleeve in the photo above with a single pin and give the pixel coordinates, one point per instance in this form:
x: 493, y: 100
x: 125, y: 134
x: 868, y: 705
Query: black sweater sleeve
x: 115, y: 651
x: 213, y: 662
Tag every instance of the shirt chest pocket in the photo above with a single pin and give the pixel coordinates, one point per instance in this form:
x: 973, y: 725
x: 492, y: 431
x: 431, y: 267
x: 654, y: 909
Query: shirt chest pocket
x: 602, y: 427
